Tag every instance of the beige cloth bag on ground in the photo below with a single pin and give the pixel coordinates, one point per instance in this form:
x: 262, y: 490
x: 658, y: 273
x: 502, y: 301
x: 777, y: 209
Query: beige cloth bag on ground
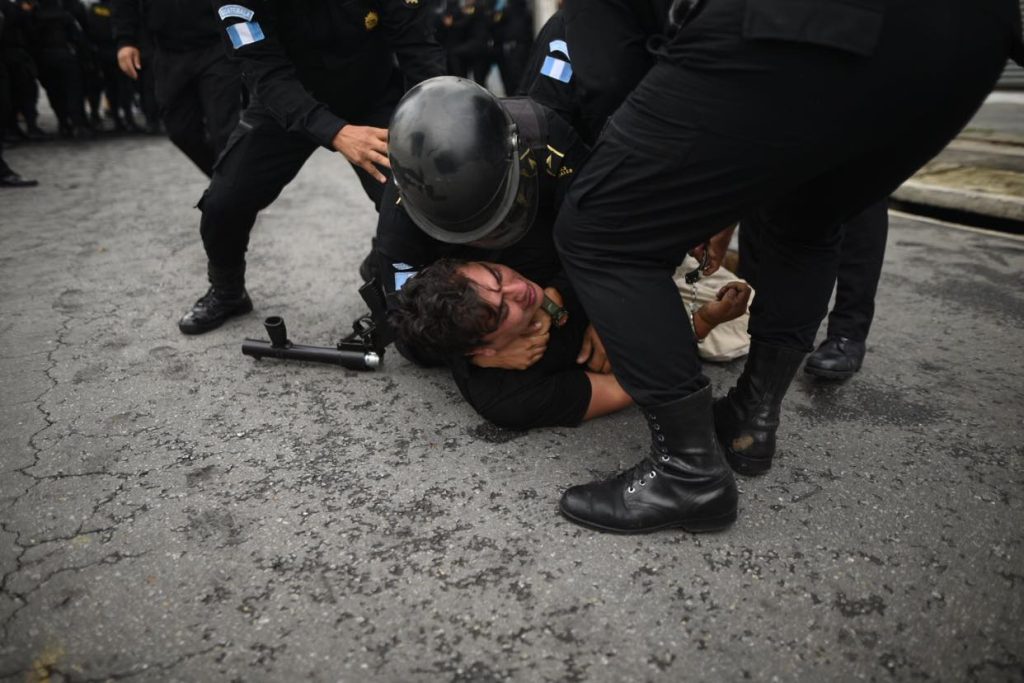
x: 727, y: 341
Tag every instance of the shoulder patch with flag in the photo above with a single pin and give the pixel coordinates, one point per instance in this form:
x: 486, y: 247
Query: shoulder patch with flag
x: 558, y: 69
x: 245, y: 33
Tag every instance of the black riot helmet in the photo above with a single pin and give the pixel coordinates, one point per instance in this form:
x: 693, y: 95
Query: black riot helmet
x: 462, y: 171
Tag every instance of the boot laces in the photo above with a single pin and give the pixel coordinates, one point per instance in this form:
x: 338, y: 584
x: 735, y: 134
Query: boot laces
x: 658, y: 446
x: 639, y: 474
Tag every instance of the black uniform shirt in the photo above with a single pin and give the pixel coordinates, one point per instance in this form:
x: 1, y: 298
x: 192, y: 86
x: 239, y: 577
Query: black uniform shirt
x: 315, y: 64
x: 175, y: 25
x: 609, y: 41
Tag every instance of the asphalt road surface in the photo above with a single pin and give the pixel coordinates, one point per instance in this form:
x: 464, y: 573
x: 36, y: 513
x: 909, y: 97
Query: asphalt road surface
x: 173, y: 511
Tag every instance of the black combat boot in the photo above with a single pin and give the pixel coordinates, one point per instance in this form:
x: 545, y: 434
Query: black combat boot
x: 684, y: 482
x: 746, y: 419
x: 225, y: 298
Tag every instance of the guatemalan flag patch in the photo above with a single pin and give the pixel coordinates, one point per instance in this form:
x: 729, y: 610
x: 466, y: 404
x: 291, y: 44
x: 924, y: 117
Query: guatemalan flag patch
x: 558, y: 69
x: 245, y: 33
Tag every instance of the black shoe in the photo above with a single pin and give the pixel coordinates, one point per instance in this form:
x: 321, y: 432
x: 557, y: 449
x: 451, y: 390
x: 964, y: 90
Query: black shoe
x: 683, y: 483
x: 12, y: 179
x: 836, y: 358
x: 748, y: 416
x: 212, y: 310
x: 225, y: 299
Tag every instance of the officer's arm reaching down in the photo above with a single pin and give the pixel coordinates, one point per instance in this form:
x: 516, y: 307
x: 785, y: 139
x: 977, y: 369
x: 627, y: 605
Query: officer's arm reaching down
x: 253, y: 33
x: 252, y: 38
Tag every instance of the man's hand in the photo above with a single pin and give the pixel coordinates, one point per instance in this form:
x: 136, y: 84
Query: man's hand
x: 520, y: 354
x: 130, y: 60
x: 364, y: 146
x: 732, y: 302
x: 716, y: 248
x: 528, y: 348
x: 592, y: 352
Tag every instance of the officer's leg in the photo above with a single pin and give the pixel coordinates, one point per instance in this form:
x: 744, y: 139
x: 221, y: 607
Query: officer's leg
x: 860, y: 266
x: 798, y: 157
x: 259, y: 161
x: 183, y: 118
x: 177, y: 90
x: 220, y: 92
x: 748, y: 238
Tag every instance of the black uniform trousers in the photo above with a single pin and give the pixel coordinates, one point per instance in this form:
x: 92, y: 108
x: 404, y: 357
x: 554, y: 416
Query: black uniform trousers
x: 261, y: 158
x: 809, y: 134
x: 200, y: 95
x: 24, y: 88
x: 61, y: 75
x: 6, y: 107
x: 861, y: 253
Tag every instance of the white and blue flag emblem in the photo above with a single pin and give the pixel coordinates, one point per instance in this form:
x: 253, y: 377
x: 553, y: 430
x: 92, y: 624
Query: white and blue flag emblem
x: 245, y: 33
x: 558, y: 69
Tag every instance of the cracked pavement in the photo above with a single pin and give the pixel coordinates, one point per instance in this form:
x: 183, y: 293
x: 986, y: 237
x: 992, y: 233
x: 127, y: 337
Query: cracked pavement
x: 173, y: 511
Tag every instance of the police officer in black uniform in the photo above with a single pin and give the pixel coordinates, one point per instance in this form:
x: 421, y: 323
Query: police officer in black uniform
x: 322, y: 75
x: 58, y: 43
x: 807, y: 112
x: 479, y: 178
x: 197, y: 86
x: 99, y: 29
x: 8, y: 178
x: 16, y: 53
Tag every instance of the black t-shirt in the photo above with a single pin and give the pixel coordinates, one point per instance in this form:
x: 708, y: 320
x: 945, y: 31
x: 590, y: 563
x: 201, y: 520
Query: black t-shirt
x: 554, y: 392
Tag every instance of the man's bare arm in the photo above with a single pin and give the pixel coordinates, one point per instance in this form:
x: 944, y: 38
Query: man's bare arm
x: 606, y: 396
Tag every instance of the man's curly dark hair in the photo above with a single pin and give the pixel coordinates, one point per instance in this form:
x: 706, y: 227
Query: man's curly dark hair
x: 440, y: 313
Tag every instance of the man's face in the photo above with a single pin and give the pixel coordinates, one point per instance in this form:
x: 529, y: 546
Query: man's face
x: 512, y: 296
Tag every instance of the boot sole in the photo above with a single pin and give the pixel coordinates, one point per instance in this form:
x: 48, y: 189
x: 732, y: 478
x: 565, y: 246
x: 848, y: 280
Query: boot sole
x: 829, y: 374
x: 694, y: 526
x: 748, y: 467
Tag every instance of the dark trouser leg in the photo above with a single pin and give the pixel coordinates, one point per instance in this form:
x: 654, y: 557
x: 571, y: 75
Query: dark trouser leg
x: 147, y: 92
x: 256, y: 166
x: 220, y: 93
x: 183, y: 118
x: 24, y: 87
x: 860, y: 265
x: 52, y: 76
x: 684, y: 159
x: 6, y: 109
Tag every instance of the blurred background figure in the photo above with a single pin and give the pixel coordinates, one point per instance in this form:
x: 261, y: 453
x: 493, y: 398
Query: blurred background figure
x: 108, y: 80
x: 511, y: 40
x: 464, y: 34
x: 58, y: 43
x: 8, y: 178
x: 22, y: 74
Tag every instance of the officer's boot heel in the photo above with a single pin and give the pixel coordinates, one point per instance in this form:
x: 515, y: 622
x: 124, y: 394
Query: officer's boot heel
x: 683, y: 483
x: 747, y: 418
